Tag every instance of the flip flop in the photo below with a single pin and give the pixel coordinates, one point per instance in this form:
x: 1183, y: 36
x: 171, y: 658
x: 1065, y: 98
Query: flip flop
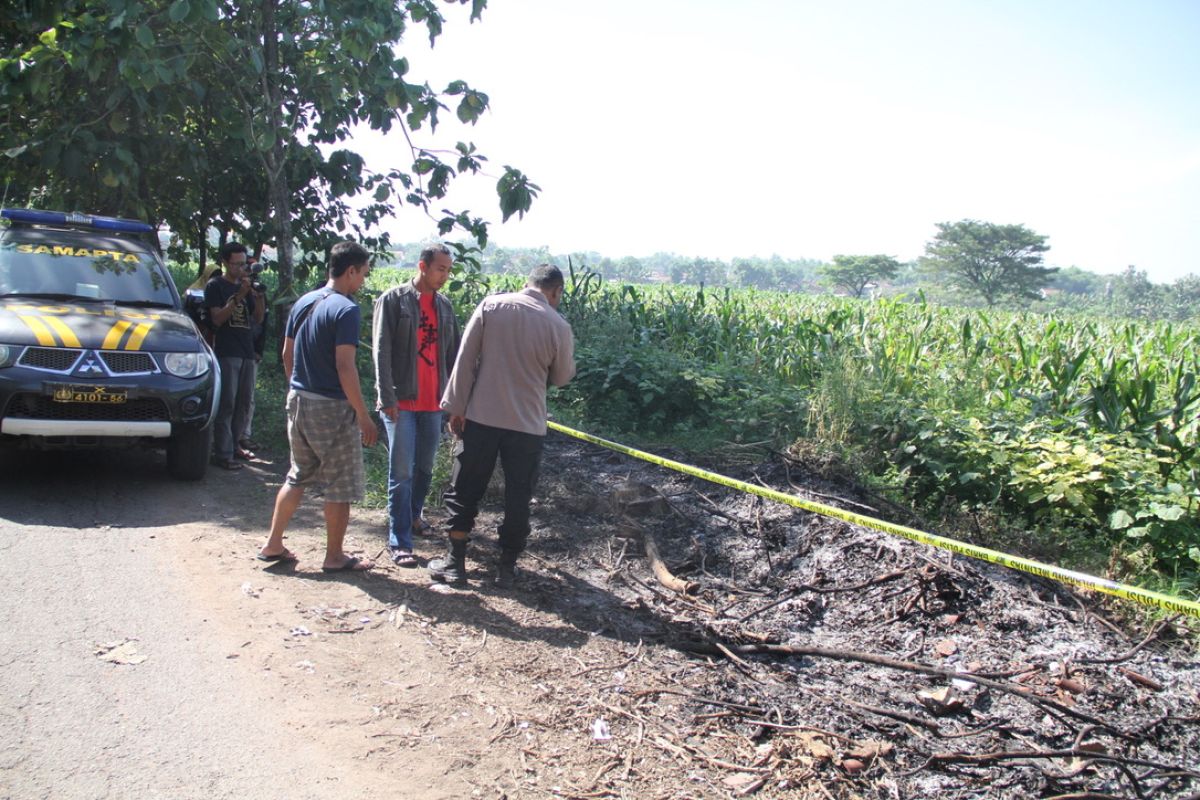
x: 286, y: 555
x: 351, y: 565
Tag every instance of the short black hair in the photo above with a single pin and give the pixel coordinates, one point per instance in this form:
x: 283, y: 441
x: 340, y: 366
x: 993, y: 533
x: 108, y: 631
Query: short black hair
x: 345, y: 255
x: 431, y: 250
x: 229, y: 248
x: 545, y: 276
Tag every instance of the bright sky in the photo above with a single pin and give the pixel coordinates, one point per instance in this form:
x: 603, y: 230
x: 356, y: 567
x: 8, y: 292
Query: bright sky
x: 808, y: 129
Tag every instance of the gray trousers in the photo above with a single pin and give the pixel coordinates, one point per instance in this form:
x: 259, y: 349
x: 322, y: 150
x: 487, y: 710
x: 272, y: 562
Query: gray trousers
x: 237, y: 388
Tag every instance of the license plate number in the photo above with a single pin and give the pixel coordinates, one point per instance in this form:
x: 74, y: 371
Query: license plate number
x: 89, y: 394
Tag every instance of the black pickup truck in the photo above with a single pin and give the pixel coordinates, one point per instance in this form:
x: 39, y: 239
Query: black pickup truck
x: 95, y: 346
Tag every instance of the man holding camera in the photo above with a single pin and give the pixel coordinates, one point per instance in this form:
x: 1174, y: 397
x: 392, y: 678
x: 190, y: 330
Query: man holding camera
x: 233, y: 306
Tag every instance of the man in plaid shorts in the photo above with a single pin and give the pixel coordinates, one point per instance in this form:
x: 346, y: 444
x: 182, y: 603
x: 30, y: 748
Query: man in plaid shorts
x: 328, y: 423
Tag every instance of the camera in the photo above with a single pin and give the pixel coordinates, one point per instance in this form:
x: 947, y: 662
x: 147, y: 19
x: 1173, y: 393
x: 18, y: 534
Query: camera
x: 255, y: 269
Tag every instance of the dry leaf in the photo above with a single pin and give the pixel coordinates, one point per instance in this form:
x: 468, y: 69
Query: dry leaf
x: 739, y: 780
x: 870, y: 750
x: 1071, y: 685
x: 941, y: 701
x: 120, y: 653
x: 763, y: 753
x: 816, y: 747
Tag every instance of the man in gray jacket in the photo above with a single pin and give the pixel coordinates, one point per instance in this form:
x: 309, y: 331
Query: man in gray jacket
x: 514, y: 346
x: 415, y: 338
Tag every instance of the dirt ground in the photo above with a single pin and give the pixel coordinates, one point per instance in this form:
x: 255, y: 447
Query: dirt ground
x: 803, y: 658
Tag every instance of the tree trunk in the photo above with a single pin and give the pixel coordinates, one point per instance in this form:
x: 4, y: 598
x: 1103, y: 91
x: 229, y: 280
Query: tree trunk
x: 278, y: 191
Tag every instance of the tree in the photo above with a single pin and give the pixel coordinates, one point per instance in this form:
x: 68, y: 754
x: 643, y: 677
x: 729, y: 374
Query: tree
x: 1131, y: 294
x: 1076, y: 281
x: 189, y: 100
x: 856, y: 273
x: 996, y: 261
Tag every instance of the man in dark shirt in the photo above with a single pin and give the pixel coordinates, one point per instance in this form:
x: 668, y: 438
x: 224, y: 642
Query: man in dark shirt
x: 232, y: 309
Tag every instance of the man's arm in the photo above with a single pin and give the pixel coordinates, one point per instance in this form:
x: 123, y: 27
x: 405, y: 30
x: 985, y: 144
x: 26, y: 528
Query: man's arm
x: 462, y: 377
x: 347, y: 370
x: 288, y: 357
x: 563, y: 368
x: 260, y: 308
x: 220, y: 314
x: 381, y: 353
x: 453, y: 335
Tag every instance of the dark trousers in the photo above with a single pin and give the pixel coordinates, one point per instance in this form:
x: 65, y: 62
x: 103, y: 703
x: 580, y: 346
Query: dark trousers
x: 474, y: 461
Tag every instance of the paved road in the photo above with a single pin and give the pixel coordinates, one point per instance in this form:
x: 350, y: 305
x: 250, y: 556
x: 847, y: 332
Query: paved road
x: 89, y: 555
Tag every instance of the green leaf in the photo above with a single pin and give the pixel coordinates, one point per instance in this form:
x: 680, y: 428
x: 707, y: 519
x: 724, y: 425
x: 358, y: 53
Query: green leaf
x: 48, y: 37
x: 144, y: 35
x: 179, y: 10
x: 1171, y: 513
x: 382, y: 192
x: 1119, y: 520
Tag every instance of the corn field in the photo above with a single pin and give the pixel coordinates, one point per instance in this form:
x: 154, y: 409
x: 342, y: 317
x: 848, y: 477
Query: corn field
x: 1075, y: 424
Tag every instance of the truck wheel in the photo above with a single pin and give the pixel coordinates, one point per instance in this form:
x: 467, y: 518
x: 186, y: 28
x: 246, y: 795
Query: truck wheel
x: 187, y: 453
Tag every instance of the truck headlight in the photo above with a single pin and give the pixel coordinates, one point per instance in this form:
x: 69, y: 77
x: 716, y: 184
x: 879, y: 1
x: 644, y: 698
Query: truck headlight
x: 8, y: 355
x: 186, y: 365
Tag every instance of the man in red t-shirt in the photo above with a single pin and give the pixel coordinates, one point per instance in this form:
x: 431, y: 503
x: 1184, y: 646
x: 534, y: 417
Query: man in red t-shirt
x: 415, y: 338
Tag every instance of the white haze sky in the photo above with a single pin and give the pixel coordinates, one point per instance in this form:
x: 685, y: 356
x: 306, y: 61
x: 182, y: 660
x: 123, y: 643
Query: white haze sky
x: 806, y: 129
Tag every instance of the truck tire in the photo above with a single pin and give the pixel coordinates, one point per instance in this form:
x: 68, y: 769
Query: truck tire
x: 188, y: 452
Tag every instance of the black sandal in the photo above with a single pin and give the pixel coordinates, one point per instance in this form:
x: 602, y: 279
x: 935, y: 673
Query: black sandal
x: 404, y: 558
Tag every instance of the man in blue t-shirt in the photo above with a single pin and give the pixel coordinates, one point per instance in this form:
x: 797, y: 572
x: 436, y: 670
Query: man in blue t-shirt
x: 232, y: 309
x: 328, y: 422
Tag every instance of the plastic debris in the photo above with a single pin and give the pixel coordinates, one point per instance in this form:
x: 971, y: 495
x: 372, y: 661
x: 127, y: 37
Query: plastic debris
x: 600, y: 731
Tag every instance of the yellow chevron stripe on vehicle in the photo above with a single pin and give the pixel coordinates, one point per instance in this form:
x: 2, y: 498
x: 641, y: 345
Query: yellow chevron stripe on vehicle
x: 113, y: 338
x: 139, y: 333
x: 43, y: 334
x: 69, y: 339
x: 1134, y: 593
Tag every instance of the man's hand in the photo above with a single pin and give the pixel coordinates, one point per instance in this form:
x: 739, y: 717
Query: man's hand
x: 390, y: 413
x: 370, y: 434
x: 243, y: 289
x: 457, y: 423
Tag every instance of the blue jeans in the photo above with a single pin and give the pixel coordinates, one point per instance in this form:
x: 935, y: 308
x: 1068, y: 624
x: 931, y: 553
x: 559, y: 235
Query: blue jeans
x: 412, y: 445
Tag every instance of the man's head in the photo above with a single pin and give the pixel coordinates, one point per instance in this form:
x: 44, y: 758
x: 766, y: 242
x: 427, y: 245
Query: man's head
x: 349, y: 265
x: 233, y: 260
x: 434, y: 266
x: 548, y: 279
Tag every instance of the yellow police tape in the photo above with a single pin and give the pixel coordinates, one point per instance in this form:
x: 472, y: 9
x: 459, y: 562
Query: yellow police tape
x: 1143, y: 596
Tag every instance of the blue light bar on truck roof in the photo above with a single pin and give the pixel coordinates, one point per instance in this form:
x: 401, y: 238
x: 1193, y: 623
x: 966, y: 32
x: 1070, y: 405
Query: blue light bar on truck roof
x: 31, y: 216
